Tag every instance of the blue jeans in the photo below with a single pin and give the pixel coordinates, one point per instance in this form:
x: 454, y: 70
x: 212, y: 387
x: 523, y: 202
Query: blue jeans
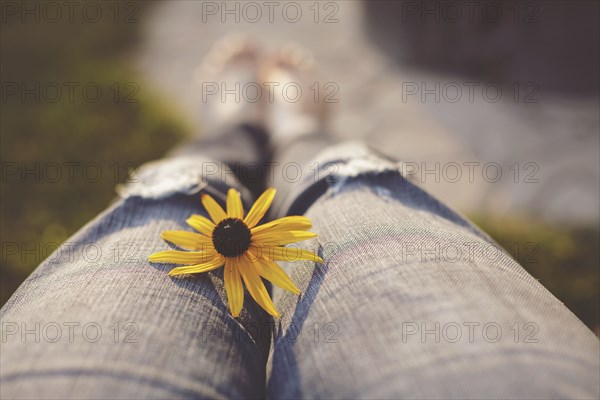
x: 412, y: 300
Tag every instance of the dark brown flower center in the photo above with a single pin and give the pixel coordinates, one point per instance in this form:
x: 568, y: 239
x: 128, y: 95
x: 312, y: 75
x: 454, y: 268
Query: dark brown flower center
x: 231, y: 237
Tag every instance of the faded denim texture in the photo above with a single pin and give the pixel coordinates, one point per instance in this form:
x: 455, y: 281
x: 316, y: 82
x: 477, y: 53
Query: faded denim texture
x: 415, y: 302
x: 398, y: 263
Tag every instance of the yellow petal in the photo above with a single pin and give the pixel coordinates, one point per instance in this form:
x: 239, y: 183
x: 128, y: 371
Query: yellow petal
x: 213, y: 208
x: 260, y: 208
x: 181, y: 257
x: 277, y: 253
x: 188, y: 240
x: 256, y: 287
x: 235, y: 209
x: 253, y: 257
x: 282, y: 238
x: 274, y: 273
x: 215, y: 263
x: 201, y: 224
x: 233, y: 287
x: 292, y: 223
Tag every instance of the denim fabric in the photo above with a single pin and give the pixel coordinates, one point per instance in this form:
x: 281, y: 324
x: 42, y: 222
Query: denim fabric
x: 175, y: 337
x: 240, y: 154
x: 390, y: 274
x: 127, y: 329
x: 414, y: 302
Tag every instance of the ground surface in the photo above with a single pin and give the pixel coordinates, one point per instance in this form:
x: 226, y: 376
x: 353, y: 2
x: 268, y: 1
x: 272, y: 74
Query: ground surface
x: 554, y: 141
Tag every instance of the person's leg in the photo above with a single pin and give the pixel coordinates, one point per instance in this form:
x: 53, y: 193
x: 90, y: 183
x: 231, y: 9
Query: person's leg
x: 412, y: 300
x: 97, y: 320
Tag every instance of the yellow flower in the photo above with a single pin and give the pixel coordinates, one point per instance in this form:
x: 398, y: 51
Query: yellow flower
x: 248, y: 251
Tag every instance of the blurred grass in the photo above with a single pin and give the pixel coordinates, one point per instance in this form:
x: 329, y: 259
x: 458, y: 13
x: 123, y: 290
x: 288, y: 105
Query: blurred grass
x: 110, y: 135
x: 565, y: 259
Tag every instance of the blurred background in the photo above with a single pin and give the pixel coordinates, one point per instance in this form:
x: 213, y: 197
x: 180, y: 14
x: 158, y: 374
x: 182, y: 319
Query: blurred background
x: 492, y: 106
